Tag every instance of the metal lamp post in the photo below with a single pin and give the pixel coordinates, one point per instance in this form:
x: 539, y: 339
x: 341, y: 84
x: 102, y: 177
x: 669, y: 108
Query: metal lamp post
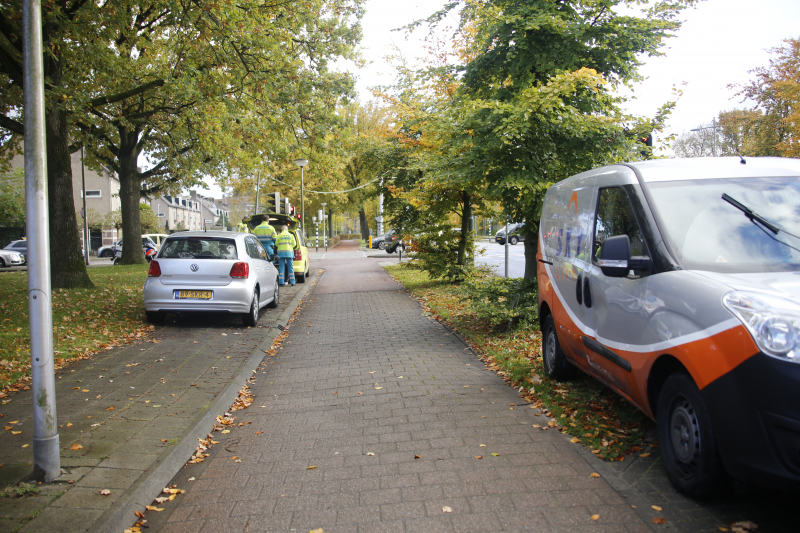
x: 301, y: 163
x: 713, y: 126
x: 324, y: 233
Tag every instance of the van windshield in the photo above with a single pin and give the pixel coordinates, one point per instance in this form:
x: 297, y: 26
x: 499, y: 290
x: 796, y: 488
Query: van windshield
x: 708, y: 233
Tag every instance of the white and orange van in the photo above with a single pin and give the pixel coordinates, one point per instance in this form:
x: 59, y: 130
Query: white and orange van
x: 677, y: 284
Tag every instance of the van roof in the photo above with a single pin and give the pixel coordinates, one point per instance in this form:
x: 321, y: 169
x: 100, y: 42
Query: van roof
x: 697, y: 168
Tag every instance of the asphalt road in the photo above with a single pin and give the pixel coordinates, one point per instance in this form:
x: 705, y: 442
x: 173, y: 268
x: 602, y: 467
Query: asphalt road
x: 495, y: 257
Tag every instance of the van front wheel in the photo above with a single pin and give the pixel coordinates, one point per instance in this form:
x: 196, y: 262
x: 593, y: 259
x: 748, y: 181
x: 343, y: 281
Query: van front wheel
x: 688, y: 444
x: 555, y: 363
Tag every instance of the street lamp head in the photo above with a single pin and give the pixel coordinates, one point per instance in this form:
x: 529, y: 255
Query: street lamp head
x: 301, y: 162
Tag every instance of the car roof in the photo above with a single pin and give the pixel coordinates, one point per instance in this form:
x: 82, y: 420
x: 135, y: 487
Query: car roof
x: 697, y: 168
x: 275, y: 219
x: 213, y: 233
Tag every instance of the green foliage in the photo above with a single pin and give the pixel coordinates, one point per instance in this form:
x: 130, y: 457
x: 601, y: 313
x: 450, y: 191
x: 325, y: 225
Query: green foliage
x: 772, y: 126
x: 528, y: 100
x: 113, y: 220
x: 150, y: 222
x: 492, y: 299
x: 12, y: 199
x: 436, y: 249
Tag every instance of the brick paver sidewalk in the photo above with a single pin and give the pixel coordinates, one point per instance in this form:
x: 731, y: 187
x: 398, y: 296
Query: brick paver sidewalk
x: 380, y: 419
x: 129, y: 419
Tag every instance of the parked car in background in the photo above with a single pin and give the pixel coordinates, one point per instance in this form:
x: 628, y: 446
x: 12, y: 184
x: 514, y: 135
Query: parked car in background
x: 301, y: 263
x: 9, y: 258
x: 147, y: 242
x: 216, y: 271
x: 514, y: 232
x: 379, y: 242
x: 157, y: 238
x: 393, y: 243
x: 20, y: 246
x: 106, y: 251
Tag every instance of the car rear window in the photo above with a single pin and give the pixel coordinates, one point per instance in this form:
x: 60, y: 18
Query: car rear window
x: 198, y: 248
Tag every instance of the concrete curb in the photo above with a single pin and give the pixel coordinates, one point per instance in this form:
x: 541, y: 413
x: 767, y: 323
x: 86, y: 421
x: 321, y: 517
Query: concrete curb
x: 161, y: 473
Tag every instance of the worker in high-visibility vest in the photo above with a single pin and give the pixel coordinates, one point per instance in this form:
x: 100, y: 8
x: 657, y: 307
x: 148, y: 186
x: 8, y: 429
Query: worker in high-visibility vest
x: 285, y: 256
x: 241, y: 226
x: 266, y: 234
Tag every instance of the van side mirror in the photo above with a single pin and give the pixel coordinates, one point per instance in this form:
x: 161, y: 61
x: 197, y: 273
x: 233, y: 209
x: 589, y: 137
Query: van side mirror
x: 615, y: 258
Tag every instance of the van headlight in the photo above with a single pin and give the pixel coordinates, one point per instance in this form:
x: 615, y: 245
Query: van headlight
x: 773, y: 322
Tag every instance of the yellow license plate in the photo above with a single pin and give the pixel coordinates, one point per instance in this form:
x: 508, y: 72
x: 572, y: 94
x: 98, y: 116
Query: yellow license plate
x: 197, y: 295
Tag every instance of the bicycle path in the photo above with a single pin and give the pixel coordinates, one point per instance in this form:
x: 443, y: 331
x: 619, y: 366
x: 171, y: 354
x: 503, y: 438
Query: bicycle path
x: 380, y: 419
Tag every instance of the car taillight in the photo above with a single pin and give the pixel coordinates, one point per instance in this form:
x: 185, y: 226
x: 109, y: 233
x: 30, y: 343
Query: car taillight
x: 155, y: 269
x: 297, y: 255
x: 239, y: 270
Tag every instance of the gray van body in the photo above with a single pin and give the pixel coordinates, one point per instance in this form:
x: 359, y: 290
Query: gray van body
x: 632, y: 332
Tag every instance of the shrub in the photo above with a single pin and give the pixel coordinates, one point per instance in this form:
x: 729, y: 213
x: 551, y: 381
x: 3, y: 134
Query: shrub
x: 436, y: 252
x: 493, y: 300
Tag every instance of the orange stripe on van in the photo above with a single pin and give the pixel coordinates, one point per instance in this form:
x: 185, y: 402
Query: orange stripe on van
x: 706, y: 359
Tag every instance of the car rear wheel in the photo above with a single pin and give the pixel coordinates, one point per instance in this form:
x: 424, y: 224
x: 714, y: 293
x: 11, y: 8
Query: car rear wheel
x: 155, y: 317
x: 688, y: 444
x: 301, y: 278
x: 513, y: 240
x: 276, y: 296
x: 381, y: 245
x: 106, y: 253
x: 251, y: 318
x: 555, y: 362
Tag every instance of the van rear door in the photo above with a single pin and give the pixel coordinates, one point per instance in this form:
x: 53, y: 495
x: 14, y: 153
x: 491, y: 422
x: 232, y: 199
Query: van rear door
x: 568, y: 218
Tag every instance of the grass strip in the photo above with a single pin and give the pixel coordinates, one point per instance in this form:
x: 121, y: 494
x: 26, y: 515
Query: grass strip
x: 584, y: 408
x: 85, y: 321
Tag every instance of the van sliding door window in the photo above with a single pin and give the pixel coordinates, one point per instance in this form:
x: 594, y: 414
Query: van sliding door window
x: 615, y: 217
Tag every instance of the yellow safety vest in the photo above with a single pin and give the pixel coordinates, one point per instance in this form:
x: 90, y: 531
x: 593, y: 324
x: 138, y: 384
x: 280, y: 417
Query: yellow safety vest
x: 285, y: 242
x: 265, y: 229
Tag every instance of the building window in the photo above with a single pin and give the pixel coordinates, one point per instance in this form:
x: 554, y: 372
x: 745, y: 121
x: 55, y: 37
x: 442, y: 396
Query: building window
x: 93, y: 193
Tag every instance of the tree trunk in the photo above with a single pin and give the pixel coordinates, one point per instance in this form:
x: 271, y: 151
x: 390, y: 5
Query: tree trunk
x: 531, y: 245
x: 362, y: 217
x: 67, y: 265
x: 130, y: 191
x: 466, y: 217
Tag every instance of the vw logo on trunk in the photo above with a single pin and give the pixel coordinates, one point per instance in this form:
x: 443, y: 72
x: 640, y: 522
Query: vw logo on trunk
x: 194, y: 267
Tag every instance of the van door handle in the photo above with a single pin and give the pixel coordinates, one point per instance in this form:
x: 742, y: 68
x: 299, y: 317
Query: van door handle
x: 579, y: 289
x: 587, y: 292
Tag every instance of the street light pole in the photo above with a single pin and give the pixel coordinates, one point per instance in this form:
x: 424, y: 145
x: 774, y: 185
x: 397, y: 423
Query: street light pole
x: 713, y: 126
x: 46, y: 454
x: 258, y: 179
x: 85, y: 214
x: 324, y: 233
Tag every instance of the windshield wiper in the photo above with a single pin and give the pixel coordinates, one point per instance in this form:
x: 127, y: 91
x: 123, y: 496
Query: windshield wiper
x: 752, y: 215
x: 760, y: 222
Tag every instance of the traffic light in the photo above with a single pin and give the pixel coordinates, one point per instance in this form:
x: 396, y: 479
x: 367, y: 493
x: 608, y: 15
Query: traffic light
x: 647, y: 141
x: 276, y: 201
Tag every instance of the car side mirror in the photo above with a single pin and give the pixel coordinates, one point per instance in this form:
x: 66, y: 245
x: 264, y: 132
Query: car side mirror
x: 615, y: 257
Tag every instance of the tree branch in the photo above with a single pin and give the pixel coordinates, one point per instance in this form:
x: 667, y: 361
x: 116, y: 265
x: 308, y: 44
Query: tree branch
x: 114, y: 98
x: 12, y: 125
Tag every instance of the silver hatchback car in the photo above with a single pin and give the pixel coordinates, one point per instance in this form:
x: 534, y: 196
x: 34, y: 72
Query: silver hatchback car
x: 211, y: 271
